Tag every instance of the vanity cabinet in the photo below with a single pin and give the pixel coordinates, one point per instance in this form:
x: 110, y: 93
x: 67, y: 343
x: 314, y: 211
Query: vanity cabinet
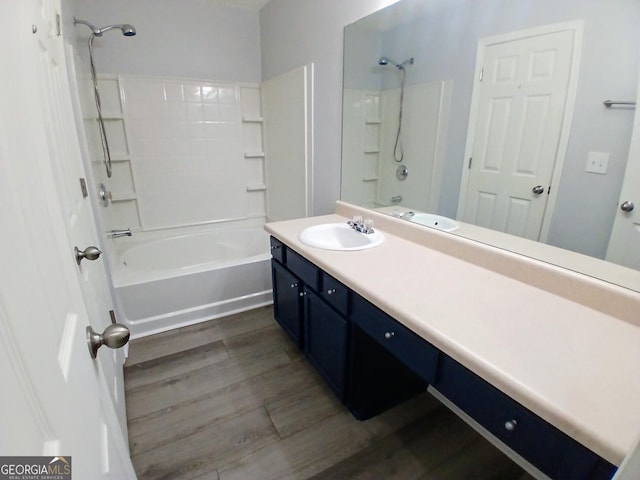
x: 315, y: 309
x: 372, y: 362
x: 543, y: 445
x: 311, y: 307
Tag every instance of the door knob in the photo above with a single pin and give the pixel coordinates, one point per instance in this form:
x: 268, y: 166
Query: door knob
x: 538, y: 189
x: 115, y: 335
x: 90, y: 253
x: 626, y: 206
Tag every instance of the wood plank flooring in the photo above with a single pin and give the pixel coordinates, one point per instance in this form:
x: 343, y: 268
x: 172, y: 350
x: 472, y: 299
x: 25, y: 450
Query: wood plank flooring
x: 233, y: 398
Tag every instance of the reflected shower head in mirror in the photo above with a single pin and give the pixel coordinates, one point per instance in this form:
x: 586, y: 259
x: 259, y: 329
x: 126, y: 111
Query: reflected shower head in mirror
x: 386, y: 61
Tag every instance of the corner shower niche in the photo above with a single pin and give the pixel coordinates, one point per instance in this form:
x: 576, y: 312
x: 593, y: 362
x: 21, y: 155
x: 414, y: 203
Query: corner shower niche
x: 185, y: 152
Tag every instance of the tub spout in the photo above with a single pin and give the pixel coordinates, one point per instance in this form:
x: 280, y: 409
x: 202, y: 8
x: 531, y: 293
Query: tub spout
x: 119, y: 233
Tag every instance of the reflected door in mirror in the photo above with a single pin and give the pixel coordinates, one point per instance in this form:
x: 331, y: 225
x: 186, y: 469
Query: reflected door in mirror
x: 521, y: 98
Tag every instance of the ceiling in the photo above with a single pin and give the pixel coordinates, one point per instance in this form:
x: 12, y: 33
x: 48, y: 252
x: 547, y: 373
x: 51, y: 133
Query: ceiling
x: 249, y: 4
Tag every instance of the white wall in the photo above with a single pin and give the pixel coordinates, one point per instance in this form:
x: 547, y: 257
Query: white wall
x: 179, y: 38
x: 299, y: 32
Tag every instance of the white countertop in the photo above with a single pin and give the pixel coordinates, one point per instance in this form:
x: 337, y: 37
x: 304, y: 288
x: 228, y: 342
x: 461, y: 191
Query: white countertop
x: 574, y: 363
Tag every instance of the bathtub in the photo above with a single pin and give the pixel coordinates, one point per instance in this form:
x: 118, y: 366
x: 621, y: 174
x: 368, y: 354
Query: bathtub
x: 172, y: 281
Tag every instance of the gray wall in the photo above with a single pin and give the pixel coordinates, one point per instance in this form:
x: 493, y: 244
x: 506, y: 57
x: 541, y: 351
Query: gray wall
x: 185, y: 38
x: 298, y: 32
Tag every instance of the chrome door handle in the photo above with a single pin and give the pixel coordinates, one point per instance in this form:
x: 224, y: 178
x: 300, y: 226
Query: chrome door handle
x: 115, y: 335
x: 538, y: 189
x: 90, y: 253
x: 626, y: 206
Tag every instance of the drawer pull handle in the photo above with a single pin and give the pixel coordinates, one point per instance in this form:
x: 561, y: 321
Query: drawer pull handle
x: 331, y: 291
x: 388, y: 335
x: 302, y: 294
x: 294, y: 285
x: 510, y: 425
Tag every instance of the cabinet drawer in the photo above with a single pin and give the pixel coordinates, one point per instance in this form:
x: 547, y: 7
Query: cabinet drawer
x: 543, y: 445
x: 415, y: 352
x: 277, y: 250
x: 303, y: 269
x: 334, y: 293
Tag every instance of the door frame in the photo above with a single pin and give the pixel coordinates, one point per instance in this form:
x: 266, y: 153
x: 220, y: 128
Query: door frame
x: 577, y: 28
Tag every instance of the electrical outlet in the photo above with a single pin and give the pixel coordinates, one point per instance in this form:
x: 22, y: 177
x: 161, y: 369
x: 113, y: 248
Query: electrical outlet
x: 597, y: 162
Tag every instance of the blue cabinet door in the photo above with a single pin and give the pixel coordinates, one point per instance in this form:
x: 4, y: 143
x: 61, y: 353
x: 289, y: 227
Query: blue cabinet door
x: 326, y: 341
x: 287, y: 305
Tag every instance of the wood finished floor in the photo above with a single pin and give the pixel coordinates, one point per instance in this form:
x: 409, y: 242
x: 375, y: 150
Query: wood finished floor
x: 233, y: 398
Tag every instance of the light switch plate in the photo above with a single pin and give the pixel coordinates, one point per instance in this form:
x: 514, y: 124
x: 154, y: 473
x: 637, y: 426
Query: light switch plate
x: 597, y: 162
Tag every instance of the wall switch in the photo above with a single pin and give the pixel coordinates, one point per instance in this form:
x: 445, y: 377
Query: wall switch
x: 597, y: 162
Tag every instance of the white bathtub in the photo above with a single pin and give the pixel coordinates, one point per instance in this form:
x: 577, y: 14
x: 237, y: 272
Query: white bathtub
x: 169, y: 282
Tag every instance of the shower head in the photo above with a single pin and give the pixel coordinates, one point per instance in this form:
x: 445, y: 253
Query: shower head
x: 386, y: 61
x: 127, y: 30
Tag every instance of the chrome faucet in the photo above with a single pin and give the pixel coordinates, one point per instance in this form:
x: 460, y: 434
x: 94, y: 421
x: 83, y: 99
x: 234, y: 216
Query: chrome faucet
x: 119, y: 233
x: 361, y: 226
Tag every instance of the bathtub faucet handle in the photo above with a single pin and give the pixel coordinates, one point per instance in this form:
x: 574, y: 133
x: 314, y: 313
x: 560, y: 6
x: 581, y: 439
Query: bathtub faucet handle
x: 119, y: 233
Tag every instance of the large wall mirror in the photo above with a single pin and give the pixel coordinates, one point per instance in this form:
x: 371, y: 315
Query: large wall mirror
x: 492, y: 113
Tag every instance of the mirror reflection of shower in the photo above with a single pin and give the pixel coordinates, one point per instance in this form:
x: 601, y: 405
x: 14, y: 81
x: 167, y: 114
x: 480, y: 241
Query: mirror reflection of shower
x: 398, y: 153
x: 128, y: 31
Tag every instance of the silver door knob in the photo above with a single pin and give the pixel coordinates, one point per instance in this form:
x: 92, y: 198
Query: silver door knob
x: 90, y: 253
x: 538, y: 189
x: 115, y: 335
x: 626, y: 206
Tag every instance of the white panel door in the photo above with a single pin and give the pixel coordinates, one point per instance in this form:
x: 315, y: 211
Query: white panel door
x: 287, y: 102
x: 519, y: 122
x: 49, y: 78
x: 624, y: 243
x: 59, y: 404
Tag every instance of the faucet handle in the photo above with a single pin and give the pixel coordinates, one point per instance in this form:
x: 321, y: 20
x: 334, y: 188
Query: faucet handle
x: 368, y: 225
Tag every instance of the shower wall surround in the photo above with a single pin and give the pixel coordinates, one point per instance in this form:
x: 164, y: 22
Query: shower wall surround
x: 370, y: 125
x: 188, y: 151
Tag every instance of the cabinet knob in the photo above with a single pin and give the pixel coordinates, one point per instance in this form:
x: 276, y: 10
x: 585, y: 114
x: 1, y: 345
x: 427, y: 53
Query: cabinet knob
x: 302, y: 294
x: 331, y: 291
x: 275, y: 247
x: 388, y: 335
x: 294, y: 285
x: 510, y: 425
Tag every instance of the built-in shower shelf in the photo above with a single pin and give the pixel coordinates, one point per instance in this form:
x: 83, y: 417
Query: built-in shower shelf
x: 372, y: 150
x: 123, y: 197
x: 372, y: 121
x: 120, y: 158
x: 253, y: 154
x: 370, y: 179
x: 252, y: 119
x: 256, y: 188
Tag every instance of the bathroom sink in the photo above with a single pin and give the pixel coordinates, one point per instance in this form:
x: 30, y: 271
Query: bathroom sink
x: 339, y: 236
x: 436, y: 221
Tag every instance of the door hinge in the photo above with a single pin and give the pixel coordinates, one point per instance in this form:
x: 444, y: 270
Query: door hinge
x: 83, y: 187
x: 470, y: 160
x: 481, y: 73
